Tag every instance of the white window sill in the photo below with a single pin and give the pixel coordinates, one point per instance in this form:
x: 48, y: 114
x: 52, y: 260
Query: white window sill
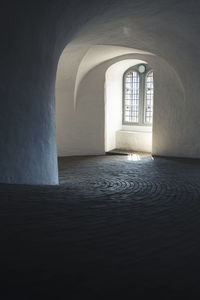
x: 135, y: 128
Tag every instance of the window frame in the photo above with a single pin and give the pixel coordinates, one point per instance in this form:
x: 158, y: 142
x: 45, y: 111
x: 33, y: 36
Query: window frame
x: 142, y: 95
x: 145, y: 97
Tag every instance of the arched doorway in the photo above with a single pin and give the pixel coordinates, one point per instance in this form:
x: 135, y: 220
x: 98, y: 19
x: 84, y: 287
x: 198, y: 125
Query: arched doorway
x: 129, y: 106
x: 84, y: 97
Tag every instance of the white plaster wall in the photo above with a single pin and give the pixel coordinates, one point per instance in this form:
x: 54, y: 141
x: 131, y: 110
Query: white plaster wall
x: 98, y: 54
x: 83, y: 127
x: 31, y: 45
x: 80, y: 129
x: 113, y: 103
x: 80, y: 115
x: 113, y: 110
x: 172, y: 36
x: 134, y: 140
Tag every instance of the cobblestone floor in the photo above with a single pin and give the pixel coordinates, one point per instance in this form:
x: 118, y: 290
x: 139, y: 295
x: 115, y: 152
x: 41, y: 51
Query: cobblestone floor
x: 116, y: 227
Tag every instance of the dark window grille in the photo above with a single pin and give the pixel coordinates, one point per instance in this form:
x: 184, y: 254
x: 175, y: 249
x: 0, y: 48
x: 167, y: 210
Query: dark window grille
x: 131, y: 97
x: 148, y: 113
x: 138, y: 90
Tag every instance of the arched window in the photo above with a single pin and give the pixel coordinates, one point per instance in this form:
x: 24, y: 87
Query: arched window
x: 131, y: 97
x: 148, y: 110
x: 138, y: 95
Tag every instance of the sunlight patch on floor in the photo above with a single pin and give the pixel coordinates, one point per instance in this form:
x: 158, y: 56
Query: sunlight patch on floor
x: 133, y: 157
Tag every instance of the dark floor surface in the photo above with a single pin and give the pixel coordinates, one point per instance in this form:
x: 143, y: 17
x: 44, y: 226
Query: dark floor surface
x: 115, y: 228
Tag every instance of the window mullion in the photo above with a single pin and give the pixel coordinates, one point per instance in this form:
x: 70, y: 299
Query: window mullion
x: 141, y: 101
x: 134, y: 104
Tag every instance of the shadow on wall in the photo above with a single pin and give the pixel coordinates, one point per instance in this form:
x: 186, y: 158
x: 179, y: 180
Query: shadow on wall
x: 117, y: 135
x: 82, y: 121
x: 169, y: 29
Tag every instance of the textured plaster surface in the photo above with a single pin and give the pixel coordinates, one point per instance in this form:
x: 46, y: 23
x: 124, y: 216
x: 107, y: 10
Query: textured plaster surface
x: 134, y: 140
x: 113, y: 95
x: 175, y: 99
x: 35, y: 36
x: 93, y: 105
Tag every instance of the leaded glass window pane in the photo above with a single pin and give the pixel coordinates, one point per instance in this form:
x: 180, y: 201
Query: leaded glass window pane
x: 148, y: 112
x: 131, y: 97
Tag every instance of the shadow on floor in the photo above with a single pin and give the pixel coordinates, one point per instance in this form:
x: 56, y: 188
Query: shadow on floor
x: 113, y: 228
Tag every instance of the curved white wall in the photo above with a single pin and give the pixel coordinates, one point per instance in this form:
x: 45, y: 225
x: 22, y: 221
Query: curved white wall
x: 168, y: 41
x: 98, y: 54
x: 80, y: 111
x: 30, y: 49
x: 86, y: 123
x: 113, y: 112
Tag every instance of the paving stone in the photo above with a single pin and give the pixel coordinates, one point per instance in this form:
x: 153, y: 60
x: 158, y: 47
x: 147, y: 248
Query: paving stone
x: 114, y: 227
